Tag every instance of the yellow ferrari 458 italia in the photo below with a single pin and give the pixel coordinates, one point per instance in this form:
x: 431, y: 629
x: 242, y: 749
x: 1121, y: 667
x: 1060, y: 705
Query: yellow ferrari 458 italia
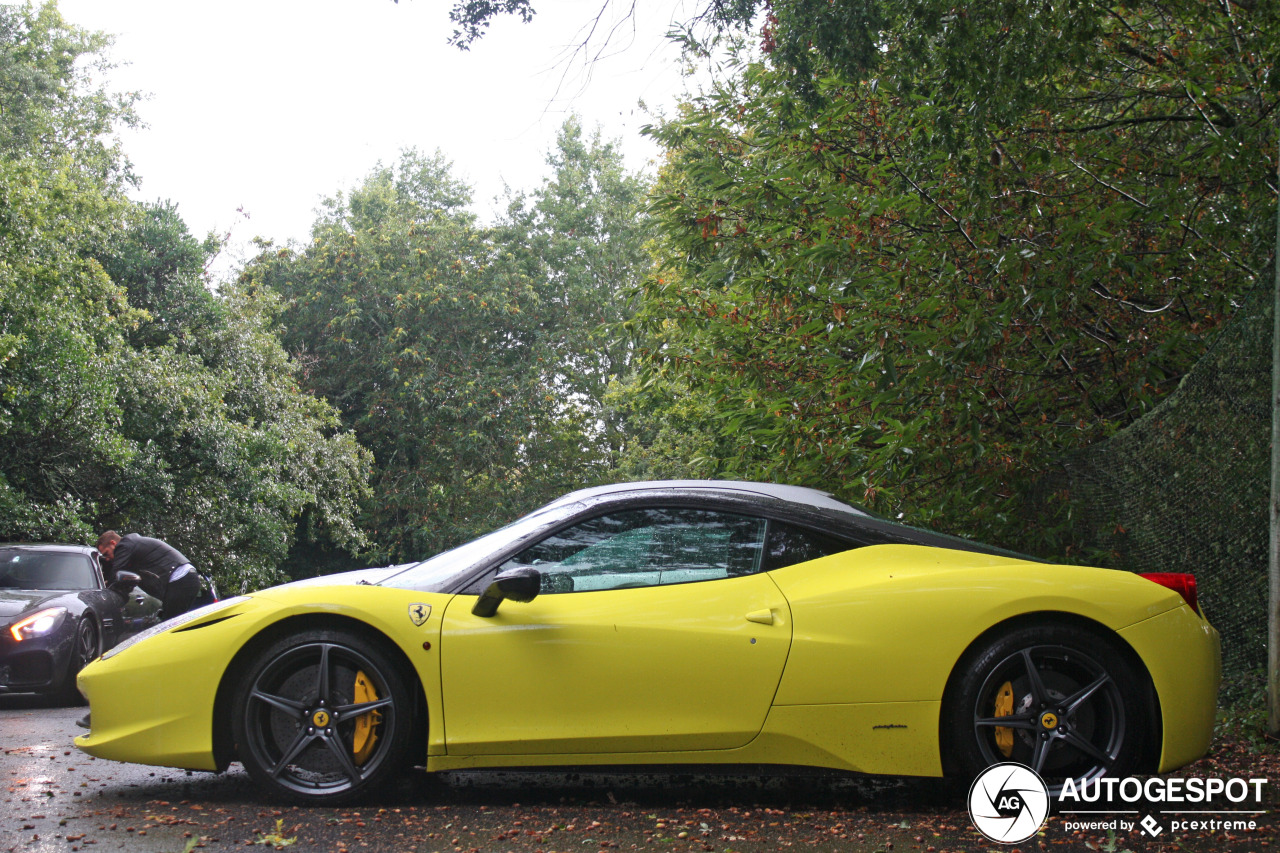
x: 674, y: 623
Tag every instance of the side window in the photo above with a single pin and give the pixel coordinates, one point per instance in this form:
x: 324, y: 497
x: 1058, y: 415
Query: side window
x: 647, y: 547
x: 789, y: 544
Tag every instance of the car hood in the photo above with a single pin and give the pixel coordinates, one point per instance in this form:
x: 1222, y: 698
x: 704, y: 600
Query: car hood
x: 369, y: 576
x: 15, y: 601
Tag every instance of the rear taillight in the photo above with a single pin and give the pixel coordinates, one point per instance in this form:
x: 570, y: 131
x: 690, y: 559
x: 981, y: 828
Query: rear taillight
x: 1180, y: 582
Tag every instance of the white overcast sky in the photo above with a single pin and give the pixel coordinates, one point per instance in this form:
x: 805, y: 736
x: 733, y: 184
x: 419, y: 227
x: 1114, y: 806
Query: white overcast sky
x: 267, y: 106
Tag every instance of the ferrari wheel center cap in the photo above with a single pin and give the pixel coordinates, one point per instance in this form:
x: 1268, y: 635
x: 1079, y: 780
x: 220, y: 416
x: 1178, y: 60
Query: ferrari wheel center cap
x: 320, y: 719
x: 1049, y: 720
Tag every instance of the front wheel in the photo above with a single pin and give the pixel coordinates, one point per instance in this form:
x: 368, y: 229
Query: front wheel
x: 88, y: 645
x: 322, y: 717
x: 1058, y: 699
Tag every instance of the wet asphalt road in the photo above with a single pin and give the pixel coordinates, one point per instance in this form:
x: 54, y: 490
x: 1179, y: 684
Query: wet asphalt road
x: 59, y: 799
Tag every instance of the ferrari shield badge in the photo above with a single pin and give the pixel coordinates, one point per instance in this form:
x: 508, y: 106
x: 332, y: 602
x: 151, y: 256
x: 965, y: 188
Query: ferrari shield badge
x: 419, y: 613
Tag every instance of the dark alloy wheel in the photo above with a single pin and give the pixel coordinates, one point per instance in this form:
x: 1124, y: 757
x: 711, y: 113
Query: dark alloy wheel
x: 87, y: 647
x: 322, y: 717
x: 1060, y: 700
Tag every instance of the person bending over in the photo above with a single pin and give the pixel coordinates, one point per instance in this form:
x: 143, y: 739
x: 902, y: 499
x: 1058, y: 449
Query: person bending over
x: 165, y: 573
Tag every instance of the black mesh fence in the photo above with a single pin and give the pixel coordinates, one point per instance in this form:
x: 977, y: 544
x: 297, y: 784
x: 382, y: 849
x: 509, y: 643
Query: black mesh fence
x: 1187, y: 489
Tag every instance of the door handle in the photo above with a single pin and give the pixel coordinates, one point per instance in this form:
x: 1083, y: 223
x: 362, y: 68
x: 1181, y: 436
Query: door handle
x: 762, y: 617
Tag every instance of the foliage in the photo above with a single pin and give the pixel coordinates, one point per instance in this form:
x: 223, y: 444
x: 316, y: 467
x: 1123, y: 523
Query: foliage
x: 230, y: 454
x: 582, y: 236
x: 275, y: 838
x: 408, y: 322
x: 61, y: 191
x: 471, y: 18
x: 670, y: 432
x: 1243, y: 719
x: 997, y: 61
x: 51, y: 106
x: 130, y: 396
x: 470, y: 362
x: 920, y: 252
x: 925, y: 322
x: 161, y: 267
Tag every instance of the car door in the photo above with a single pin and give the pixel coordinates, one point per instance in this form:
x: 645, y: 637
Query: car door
x: 123, y: 612
x: 105, y: 603
x: 141, y: 611
x: 655, y: 631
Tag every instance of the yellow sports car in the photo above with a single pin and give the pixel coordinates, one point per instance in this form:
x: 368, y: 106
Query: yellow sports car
x: 668, y: 623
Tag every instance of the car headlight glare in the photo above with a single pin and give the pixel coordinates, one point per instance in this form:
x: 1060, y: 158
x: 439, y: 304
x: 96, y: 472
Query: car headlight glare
x: 37, y: 623
x: 175, y: 622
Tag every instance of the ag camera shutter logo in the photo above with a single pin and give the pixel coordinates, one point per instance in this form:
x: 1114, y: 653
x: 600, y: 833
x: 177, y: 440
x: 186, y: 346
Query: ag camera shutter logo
x: 1008, y: 803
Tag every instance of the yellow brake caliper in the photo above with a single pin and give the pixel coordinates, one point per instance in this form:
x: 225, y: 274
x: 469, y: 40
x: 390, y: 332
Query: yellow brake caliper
x: 366, y: 733
x: 1004, y: 707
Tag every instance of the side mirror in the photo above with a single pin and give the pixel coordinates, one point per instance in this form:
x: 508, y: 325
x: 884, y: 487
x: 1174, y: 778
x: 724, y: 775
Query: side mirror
x: 519, y: 584
x: 124, y: 582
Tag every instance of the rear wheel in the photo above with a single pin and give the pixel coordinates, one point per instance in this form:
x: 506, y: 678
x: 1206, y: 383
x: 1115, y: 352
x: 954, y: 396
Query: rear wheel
x: 322, y: 717
x: 1058, y: 699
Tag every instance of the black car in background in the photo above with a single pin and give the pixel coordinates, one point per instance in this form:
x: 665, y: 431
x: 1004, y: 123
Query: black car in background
x: 57, y: 613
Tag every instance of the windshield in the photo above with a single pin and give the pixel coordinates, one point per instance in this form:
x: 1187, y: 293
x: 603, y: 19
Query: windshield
x: 438, y: 573
x: 45, y: 570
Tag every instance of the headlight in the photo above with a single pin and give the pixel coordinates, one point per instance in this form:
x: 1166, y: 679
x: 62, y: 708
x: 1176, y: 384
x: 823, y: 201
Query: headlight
x: 175, y: 622
x: 37, y: 623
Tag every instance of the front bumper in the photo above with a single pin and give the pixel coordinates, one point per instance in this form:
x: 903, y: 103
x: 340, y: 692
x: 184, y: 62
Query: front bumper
x: 35, y: 665
x: 154, y: 703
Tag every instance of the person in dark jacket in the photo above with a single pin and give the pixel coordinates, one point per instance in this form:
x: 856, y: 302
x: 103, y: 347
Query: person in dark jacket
x: 165, y: 573
x: 162, y: 569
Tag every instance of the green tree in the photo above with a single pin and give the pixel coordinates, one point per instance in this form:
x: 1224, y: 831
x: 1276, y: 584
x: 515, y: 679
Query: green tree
x: 473, y: 362
x: 62, y: 189
x: 229, y: 455
x: 130, y: 396
x: 425, y: 338
x: 926, y: 322
x: 161, y: 266
x: 581, y: 238
x: 52, y: 106
x: 670, y: 433
x: 1006, y: 228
